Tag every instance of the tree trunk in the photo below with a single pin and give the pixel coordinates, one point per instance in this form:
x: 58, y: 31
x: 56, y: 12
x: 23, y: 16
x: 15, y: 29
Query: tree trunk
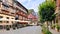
x: 47, y: 24
x: 51, y: 24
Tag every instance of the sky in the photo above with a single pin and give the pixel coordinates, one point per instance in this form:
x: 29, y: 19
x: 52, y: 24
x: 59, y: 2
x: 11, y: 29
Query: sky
x: 31, y: 4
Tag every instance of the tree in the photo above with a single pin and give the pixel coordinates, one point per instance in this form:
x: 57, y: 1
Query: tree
x: 30, y: 11
x: 46, y: 11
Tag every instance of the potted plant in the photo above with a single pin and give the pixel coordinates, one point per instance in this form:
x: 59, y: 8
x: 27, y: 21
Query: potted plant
x: 53, y: 26
x: 45, y: 30
x: 57, y: 27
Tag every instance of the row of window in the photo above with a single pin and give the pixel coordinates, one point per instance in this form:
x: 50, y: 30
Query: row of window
x: 20, y: 6
x: 13, y: 18
x: 5, y: 22
x: 5, y: 3
x: 6, y: 17
x: 23, y: 18
x: 6, y: 6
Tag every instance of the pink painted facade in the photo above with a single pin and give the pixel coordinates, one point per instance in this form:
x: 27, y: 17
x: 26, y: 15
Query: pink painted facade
x: 31, y: 16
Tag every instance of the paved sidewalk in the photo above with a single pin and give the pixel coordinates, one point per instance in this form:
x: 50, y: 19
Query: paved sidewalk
x: 54, y: 31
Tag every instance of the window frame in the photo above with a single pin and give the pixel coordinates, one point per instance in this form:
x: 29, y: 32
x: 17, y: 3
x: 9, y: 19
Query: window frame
x: 7, y: 17
x: 1, y: 17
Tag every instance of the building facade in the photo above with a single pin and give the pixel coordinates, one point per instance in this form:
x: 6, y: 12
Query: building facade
x: 12, y: 10
x: 57, y: 20
x: 32, y: 17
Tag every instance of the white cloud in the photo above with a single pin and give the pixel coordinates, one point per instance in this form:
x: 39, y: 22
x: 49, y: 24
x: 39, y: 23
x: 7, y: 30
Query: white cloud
x: 31, y: 4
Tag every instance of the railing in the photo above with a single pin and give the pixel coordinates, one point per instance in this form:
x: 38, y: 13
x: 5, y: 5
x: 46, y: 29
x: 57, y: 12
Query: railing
x: 8, y: 3
x: 11, y: 4
x: 4, y: 8
x: 14, y: 5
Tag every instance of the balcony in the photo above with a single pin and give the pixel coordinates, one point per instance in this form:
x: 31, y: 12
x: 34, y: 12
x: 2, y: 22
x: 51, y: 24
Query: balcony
x: 4, y: 10
x: 5, y: 7
x: 10, y: 4
x: 7, y: 2
x: 20, y: 8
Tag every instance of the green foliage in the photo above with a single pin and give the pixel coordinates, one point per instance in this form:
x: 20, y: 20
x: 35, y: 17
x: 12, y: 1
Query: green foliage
x: 45, y: 30
x: 46, y: 11
x: 30, y: 11
x: 57, y: 26
x: 53, y: 26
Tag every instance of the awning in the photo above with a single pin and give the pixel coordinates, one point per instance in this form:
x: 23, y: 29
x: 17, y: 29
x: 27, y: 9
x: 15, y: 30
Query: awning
x: 3, y: 19
x: 22, y: 22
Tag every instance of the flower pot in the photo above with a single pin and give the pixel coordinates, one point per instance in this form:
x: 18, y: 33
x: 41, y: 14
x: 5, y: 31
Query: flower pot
x: 51, y: 27
x: 57, y: 30
x: 42, y: 32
